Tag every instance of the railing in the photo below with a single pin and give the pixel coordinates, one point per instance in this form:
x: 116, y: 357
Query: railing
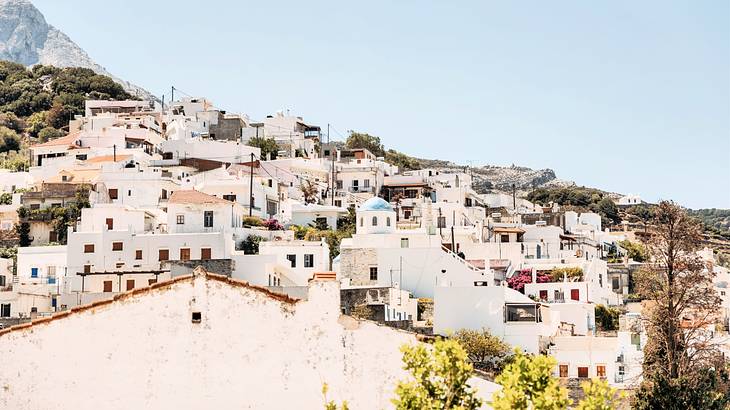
x: 464, y: 262
x: 362, y: 189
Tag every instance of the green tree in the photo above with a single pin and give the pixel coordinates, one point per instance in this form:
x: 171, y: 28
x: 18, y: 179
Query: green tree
x: 23, y: 231
x: 635, y: 250
x: 6, y: 198
x: 439, y: 375
x: 484, y: 349
x: 401, y: 160
x: 268, y: 146
x: 527, y: 383
x: 49, y: 133
x: 35, y: 123
x: 9, y: 140
x: 706, y: 389
x: 609, y: 211
x: 607, y: 317
x: 599, y: 396
x: 367, y: 141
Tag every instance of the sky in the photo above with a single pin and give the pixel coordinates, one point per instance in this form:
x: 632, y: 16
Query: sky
x: 625, y: 96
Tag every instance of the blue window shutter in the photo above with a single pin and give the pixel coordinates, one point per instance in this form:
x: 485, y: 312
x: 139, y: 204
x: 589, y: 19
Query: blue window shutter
x: 33, y: 272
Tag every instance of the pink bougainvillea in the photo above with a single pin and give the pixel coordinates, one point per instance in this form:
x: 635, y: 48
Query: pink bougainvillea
x: 272, y: 225
x: 518, y: 280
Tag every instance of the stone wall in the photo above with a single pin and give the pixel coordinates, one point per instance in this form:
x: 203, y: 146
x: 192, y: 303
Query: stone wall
x: 355, y: 265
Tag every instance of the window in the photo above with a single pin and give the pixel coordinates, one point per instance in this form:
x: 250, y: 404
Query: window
x: 366, y: 183
x: 375, y: 221
x: 339, y: 184
x: 107, y: 286
x: 180, y: 219
x: 89, y: 248
x: 53, y: 236
x: 338, y: 202
x: 110, y: 224
x: 563, y: 370
x: 441, y: 222
x: 35, y: 206
x: 543, y: 295
x: 205, y: 253
x: 373, y: 273
x: 130, y: 284
x: 33, y: 272
x: 231, y: 197
x: 407, y: 214
x: 113, y: 193
x: 522, y: 313
x: 184, y: 254
x: 293, y: 260
x: 117, y: 246
x: 504, y: 238
x: 387, y: 221
x: 2, y: 280
x: 164, y: 255
x: 601, y: 370
x: 5, y: 310
x: 308, y: 260
x: 361, y: 221
x: 151, y: 282
x: 163, y: 195
x: 197, y: 317
x: 355, y: 184
x: 87, y: 269
x: 129, y: 192
x: 575, y: 294
x: 138, y: 254
x: 119, y: 265
x: 208, y: 219
x: 582, y: 372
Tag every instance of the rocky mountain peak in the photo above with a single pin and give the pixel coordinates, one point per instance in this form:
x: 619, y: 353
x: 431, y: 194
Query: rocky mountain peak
x: 26, y: 38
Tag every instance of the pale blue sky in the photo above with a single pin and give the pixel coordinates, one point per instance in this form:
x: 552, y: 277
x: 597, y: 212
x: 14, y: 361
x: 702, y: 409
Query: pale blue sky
x: 626, y: 96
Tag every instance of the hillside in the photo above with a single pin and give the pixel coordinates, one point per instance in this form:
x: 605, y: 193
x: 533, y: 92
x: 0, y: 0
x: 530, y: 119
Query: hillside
x: 36, y: 104
x: 26, y: 38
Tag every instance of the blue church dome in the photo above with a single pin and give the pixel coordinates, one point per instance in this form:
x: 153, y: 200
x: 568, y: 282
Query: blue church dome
x: 376, y: 204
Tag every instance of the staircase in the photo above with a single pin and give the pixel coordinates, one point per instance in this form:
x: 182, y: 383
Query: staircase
x: 462, y: 261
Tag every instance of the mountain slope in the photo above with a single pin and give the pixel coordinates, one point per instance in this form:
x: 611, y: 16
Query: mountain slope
x: 26, y: 38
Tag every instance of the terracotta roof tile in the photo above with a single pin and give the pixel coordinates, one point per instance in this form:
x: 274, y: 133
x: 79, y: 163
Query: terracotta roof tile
x: 69, y: 140
x: 192, y: 196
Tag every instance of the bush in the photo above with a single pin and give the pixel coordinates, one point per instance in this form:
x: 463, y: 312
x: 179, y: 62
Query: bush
x: 607, y: 317
x: 49, y: 133
x: 252, y: 221
x: 635, y: 250
x: 250, y: 245
x: 518, y: 280
x: 9, y: 140
x: 573, y: 273
x: 272, y: 225
x: 485, y: 350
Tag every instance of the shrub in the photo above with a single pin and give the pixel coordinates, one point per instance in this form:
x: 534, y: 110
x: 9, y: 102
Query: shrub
x: 573, y: 273
x: 607, y: 317
x: 518, y: 280
x: 272, y: 225
x: 484, y: 349
x: 252, y: 221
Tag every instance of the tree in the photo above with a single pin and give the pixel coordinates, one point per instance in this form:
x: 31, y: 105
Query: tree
x: 609, y: 211
x: 250, y: 245
x: 401, y: 160
x: 706, y: 389
x: 6, y: 198
x: 635, y: 250
x: 9, y: 140
x: 367, y: 141
x: 268, y: 146
x: 599, y: 396
x: 684, y: 303
x: 484, y: 349
x: 606, y: 317
x: 49, y: 133
x: 309, y: 192
x: 23, y: 230
x: 527, y: 383
x: 439, y: 375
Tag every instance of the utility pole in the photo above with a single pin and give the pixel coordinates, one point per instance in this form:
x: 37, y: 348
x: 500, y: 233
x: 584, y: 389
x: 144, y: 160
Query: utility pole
x: 514, y: 198
x: 250, y: 189
x: 115, y: 152
x: 172, y: 92
x: 441, y: 233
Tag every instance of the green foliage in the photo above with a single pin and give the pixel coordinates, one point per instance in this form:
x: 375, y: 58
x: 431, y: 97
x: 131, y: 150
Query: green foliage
x: 15, y: 161
x: 635, y: 250
x: 252, y: 221
x: 527, y: 383
x: 268, y: 146
x: 10, y: 253
x: 6, y: 198
x: 607, y: 317
x: 573, y: 273
x: 583, y: 198
x: 401, y: 160
x: 367, y: 141
x: 484, y: 349
x: 49, y: 133
x: 599, y: 396
x: 715, y: 221
x: 608, y: 211
x: 10, y: 120
x: 23, y: 230
x: 330, y: 404
x: 706, y: 389
x: 320, y: 225
x: 9, y: 140
x: 35, y: 123
x: 438, y: 378
x: 250, y: 245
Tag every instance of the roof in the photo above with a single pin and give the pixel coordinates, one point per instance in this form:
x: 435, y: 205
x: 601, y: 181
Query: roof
x: 68, y: 140
x: 107, y: 158
x: 191, y: 196
x: 376, y: 204
x: 146, y: 290
x: 506, y: 229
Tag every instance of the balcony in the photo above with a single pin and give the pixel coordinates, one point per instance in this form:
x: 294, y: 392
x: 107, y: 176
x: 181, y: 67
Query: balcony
x: 361, y: 189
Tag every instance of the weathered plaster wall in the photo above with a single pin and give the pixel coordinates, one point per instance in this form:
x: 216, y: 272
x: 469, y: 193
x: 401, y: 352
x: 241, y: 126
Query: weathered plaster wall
x: 249, y: 351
